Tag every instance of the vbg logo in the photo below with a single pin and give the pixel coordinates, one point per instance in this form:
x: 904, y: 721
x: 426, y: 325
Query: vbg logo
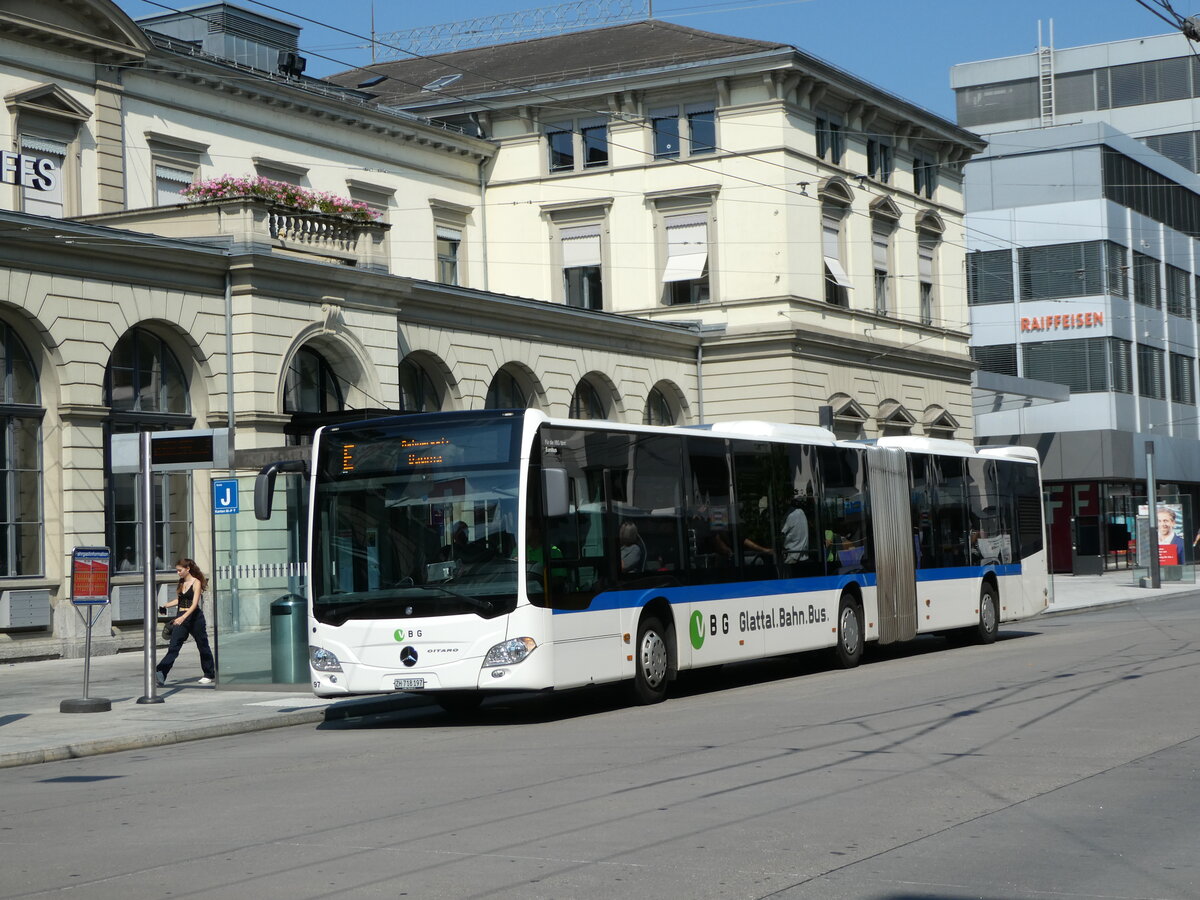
x: 697, y: 630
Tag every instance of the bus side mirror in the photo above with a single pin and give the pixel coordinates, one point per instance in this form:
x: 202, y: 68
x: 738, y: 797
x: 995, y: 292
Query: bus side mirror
x: 264, y: 484
x: 555, y: 493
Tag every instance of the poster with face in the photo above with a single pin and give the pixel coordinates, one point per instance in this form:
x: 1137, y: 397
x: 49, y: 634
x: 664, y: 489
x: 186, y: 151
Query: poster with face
x: 1170, y: 534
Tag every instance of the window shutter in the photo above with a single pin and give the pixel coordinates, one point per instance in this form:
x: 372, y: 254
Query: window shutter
x: 831, y: 230
x: 687, y: 247
x: 879, y: 248
x: 580, y: 246
x: 925, y: 261
x: 51, y: 202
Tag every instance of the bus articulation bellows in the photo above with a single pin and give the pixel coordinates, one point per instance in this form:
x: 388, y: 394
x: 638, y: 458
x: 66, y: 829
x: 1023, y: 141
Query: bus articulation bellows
x: 464, y: 553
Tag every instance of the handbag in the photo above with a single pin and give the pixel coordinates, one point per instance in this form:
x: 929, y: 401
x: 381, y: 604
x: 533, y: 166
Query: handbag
x: 166, y: 630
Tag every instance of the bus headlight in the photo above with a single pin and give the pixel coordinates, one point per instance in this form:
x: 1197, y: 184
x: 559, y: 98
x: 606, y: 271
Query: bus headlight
x: 510, y: 653
x: 322, y: 660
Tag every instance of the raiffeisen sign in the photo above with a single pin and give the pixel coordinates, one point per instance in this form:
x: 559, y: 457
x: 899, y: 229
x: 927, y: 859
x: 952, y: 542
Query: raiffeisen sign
x: 37, y: 172
x: 1056, y: 323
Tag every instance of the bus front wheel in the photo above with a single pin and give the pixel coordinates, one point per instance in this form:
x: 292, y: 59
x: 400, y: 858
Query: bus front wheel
x: 989, y: 614
x: 650, y: 662
x: 850, y: 632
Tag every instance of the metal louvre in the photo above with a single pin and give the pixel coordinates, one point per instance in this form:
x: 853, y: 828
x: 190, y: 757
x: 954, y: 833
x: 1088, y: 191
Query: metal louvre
x: 1179, y: 147
x: 998, y: 358
x: 1145, y: 280
x: 1177, y: 291
x: 1081, y: 364
x: 1075, y: 92
x: 1084, y: 269
x: 1150, y: 372
x: 1183, y: 379
x: 989, y: 277
x: 1000, y: 102
x: 896, y: 580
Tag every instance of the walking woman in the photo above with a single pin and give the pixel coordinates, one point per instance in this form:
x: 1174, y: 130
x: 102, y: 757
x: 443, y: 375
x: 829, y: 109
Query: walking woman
x: 190, y: 620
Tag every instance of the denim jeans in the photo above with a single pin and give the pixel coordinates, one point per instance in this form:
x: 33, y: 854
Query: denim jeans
x: 198, y: 629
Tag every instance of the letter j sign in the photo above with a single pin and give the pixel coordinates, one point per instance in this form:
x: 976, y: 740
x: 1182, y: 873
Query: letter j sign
x: 225, y: 496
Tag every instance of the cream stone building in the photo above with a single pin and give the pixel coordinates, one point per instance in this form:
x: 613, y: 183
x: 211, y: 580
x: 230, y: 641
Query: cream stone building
x: 811, y: 221
x: 125, y: 308
x: 708, y: 227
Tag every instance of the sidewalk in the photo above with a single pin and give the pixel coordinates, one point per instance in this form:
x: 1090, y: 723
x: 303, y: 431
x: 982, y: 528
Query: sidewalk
x: 33, y: 730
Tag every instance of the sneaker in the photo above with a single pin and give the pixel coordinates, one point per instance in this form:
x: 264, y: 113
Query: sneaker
x: 206, y: 680
x: 160, y: 678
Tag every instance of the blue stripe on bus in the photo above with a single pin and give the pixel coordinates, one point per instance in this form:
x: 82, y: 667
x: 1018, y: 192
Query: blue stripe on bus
x: 955, y: 572
x: 740, y: 590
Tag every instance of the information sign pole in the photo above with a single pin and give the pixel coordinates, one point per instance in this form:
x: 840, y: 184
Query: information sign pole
x: 90, y: 586
x: 149, y: 620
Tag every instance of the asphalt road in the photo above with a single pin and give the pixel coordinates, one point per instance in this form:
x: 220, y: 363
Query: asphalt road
x: 1059, y: 762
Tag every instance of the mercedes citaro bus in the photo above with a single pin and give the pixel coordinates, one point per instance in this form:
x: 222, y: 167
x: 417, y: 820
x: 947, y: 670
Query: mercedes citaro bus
x: 463, y: 553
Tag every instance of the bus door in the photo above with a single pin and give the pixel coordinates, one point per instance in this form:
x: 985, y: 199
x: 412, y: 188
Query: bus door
x: 891, y: 517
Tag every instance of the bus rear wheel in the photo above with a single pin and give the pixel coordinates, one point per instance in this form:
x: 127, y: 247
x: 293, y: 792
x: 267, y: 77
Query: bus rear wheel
x: 650, y: 662
x: 989, y: 613
x: 849, y: 649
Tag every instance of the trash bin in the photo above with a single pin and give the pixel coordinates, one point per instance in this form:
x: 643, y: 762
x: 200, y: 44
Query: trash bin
x: 289, y: 640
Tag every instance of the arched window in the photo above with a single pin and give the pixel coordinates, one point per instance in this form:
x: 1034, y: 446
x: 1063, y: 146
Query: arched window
x: 145, y: 390
x: 658, y: 410
x: 311, y: 390
x: 505, y: 392
x: 418, y: 393
x: 21, y: 523
x: 311, y: 386
x: 586, y: 402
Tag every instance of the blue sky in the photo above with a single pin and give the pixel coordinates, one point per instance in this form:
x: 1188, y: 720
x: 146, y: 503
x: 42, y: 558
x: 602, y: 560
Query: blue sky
x: 905, y: 46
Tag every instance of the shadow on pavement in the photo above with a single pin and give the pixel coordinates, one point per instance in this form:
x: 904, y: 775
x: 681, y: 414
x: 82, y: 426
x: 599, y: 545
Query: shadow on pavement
x: 422, y: 711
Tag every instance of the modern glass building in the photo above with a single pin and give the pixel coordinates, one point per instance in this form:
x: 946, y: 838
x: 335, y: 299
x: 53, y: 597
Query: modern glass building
x: 1082, y: 225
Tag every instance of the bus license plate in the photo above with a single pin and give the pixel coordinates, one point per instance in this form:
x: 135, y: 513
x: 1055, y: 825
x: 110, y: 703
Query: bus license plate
x: 409, y: 684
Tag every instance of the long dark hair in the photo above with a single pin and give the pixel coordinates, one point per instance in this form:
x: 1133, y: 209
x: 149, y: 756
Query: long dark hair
x: 194, y: 571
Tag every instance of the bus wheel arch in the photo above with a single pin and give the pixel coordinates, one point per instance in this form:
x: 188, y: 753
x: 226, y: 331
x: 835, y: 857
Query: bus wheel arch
x: 989, y: 610
x: 851, y: 633
x: 655, y: 658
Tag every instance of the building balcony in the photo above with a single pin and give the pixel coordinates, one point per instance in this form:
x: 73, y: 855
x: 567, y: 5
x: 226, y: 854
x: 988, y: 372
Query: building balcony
x: 252, y: 224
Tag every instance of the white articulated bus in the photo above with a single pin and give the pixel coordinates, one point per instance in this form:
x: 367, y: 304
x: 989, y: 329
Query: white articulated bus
x: 464, y: 553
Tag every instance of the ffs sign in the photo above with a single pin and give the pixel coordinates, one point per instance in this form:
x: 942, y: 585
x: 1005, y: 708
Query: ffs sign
x: 37, y: 172
x: 225, y: 496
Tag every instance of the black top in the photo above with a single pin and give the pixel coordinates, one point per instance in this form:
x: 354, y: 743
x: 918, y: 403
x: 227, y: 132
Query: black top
x: 185, y: 598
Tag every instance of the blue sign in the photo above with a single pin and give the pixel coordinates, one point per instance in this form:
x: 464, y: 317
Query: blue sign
x: 225, y: 496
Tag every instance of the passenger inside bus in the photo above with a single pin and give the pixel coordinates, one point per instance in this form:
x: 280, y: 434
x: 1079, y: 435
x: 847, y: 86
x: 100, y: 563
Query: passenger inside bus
x: 633, y: 550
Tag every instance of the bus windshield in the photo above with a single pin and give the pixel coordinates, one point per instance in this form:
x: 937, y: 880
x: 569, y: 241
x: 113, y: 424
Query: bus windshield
x: 416, y: 517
